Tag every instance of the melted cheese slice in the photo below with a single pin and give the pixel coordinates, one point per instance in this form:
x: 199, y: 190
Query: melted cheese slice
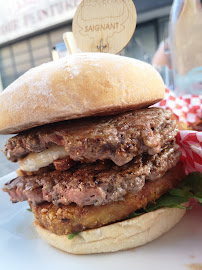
x: 34, y: 161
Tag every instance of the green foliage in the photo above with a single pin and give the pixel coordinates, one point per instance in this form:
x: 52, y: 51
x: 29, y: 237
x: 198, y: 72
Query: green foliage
x: 72, y: 235
x: 190, y: 187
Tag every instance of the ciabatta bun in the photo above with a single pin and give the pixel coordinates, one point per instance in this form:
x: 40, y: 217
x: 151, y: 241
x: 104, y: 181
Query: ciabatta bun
x: 79, y: 85
x: 118, y: 236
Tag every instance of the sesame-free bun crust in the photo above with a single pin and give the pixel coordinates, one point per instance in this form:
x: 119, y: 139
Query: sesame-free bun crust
x: 118, y: 236
x: 78, y: 85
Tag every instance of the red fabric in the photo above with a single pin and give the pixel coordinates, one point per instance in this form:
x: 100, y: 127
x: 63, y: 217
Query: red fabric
x: 188, y: 109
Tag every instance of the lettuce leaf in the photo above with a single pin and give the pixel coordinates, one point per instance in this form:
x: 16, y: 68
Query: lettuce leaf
x: 189, y: 188
x: 72, y: 235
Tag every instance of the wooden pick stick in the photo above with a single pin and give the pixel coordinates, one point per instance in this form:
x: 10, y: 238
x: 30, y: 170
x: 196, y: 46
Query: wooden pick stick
x: 70, y: 42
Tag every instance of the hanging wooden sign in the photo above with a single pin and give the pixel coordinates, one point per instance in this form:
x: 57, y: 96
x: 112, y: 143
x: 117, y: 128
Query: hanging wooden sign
x: 104, y: 25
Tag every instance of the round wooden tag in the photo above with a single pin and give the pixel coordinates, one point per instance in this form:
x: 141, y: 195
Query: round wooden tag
x: 104, y: 25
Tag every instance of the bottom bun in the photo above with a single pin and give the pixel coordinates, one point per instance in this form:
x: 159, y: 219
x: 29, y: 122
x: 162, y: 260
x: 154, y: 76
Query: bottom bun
x: 123, y: 235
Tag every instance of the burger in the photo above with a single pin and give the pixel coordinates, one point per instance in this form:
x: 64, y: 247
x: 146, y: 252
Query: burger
x: 91, y: 153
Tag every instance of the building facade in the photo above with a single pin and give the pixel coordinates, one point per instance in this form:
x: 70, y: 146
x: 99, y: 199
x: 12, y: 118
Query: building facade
x: 28, y: 36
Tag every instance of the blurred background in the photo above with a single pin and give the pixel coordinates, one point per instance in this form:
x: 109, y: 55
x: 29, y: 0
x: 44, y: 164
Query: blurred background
x: 31, y: 33
x: 31, y: 29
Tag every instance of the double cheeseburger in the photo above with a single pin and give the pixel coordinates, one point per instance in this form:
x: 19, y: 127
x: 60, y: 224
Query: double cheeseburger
x: 91, y: 152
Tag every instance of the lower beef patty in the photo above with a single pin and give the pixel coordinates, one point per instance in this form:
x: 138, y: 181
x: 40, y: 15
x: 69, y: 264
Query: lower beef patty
x: 93, y: 184
x: 65, y: 219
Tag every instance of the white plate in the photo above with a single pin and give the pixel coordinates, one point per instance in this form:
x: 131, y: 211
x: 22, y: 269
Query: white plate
x: 21, y: 248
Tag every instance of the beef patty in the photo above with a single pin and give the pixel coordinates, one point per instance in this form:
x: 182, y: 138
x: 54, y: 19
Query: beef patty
x: 118, y: 138
x: 93, y: 184
x: 65, y: 219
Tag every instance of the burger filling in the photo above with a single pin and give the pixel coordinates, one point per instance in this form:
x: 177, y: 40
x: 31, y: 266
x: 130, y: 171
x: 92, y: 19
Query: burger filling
x: 75, y: 169
x: 98, y: 183
x: 67, y: 219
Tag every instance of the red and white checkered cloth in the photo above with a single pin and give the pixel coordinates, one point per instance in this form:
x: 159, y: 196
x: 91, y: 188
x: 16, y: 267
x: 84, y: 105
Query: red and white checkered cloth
x: 188, y: 109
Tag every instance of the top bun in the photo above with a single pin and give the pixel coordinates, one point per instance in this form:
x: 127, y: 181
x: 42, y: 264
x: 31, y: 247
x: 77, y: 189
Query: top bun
x: 76, y: 86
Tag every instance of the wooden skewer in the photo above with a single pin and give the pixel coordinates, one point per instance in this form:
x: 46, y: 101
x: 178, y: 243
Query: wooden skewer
x: 70, y: 42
